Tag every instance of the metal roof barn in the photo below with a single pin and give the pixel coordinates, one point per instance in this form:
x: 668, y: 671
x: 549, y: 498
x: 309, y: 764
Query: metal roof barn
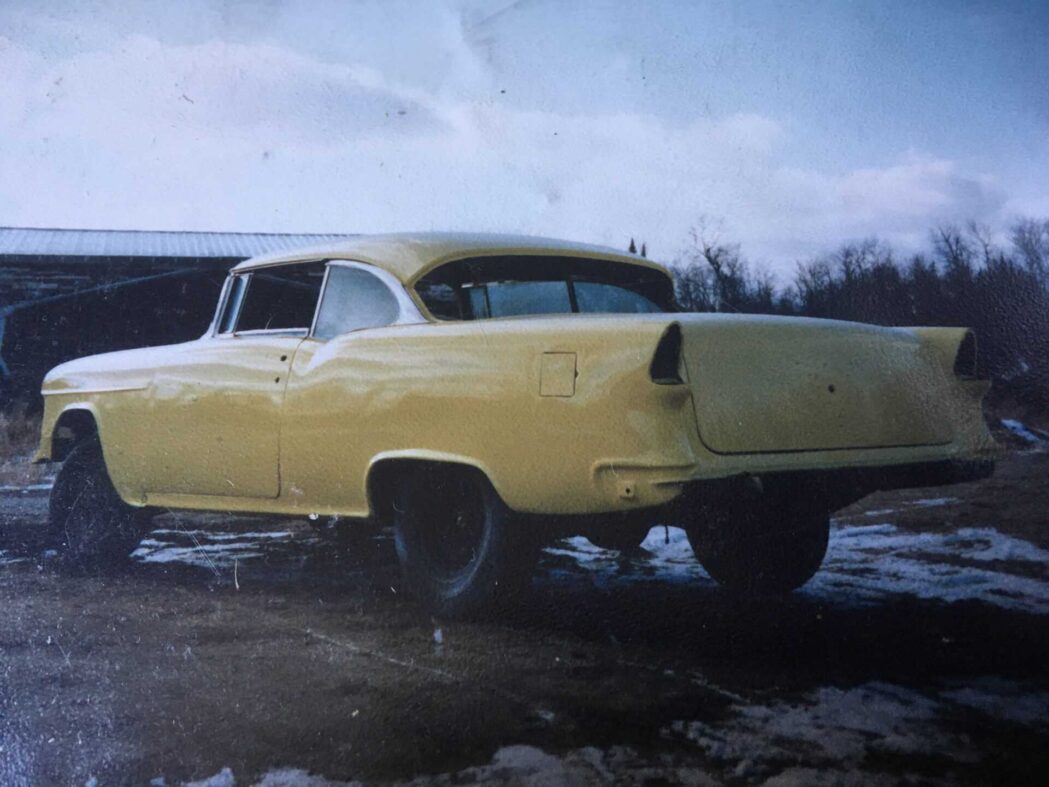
x: 66, y: 293
x: 41, y: 242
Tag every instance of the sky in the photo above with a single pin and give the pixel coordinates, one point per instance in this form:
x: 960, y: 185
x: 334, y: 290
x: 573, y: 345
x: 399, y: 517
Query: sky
x: 786, y: 127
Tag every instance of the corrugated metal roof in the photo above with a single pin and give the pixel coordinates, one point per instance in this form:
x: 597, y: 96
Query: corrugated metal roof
x: 34, y: 241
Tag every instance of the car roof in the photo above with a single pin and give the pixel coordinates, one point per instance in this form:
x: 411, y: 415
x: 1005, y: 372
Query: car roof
x: 409, y: 256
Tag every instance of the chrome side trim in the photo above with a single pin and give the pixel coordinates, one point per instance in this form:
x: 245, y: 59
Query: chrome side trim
x: 110, y: 389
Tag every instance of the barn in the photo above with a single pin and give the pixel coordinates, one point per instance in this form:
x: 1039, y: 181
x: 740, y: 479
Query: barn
x: 65, y: 293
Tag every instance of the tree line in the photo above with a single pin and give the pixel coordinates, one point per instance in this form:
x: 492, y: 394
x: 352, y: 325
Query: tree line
x: 963, y: 278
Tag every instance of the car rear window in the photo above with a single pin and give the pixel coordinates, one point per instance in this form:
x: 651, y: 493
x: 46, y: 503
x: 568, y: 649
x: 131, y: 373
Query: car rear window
x: 512, y: 285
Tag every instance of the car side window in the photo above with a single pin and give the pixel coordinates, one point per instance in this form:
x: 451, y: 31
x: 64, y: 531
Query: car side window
x: 596, y: 297
x: 354, y: 299
x: 280, y: 299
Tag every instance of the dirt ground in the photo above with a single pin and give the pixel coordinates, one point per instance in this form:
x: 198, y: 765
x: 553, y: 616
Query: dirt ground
x: 238, y: 651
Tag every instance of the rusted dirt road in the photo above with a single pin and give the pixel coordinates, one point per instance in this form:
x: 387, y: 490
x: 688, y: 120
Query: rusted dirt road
x: 241, y: 651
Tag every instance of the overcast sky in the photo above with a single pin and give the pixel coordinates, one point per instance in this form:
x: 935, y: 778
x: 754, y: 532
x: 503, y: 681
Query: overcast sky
x: 791, y: 126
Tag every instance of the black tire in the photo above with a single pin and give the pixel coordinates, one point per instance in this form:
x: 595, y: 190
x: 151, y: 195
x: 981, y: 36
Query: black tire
x: 769, y: 544
x: 460, y: 548
x: 89, y: 526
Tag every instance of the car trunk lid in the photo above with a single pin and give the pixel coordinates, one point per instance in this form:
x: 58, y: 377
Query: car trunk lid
x: 769, y: 385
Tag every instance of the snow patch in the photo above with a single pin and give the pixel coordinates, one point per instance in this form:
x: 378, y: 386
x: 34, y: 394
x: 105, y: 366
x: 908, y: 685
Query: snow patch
x: 985, y: 543
x: 829, y: 777
x: 26, y: 489
x: 223, y: 778
x: 832, y: 726
x: 665, y: 556
x: 296, y: 777
x: 842, y: 727
x: 208, y: 549
x: 933, y: 502
x: 7, y: 559
x: 1003, y: 699
x: 1025, y: 433
x: 528, y: 765
x: 212, y: 535
x: 865, y: 564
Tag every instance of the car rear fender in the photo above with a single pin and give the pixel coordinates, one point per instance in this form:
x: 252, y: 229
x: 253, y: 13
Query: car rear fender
x: 386, y: 467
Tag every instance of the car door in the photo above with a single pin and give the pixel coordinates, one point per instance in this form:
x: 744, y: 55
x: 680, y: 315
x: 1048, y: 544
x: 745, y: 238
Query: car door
x: 331, y: 428
x: 217, y: 404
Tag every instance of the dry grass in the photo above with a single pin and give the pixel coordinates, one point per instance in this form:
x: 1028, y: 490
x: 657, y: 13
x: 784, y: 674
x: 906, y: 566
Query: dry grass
x: 19, y: 434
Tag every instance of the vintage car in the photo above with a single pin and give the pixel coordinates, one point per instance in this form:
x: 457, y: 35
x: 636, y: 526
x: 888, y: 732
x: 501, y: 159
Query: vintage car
x: 485, y: 394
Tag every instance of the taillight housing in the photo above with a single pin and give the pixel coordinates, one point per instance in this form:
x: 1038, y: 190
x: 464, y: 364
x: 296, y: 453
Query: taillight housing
x: 965, y: 358
x: 665, y: 368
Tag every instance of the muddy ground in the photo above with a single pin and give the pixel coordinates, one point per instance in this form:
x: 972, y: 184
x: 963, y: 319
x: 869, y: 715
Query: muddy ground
x: 244, y: 651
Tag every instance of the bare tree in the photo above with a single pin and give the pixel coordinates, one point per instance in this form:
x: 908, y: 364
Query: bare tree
x: 1030, y: 238
x: 714, y: 276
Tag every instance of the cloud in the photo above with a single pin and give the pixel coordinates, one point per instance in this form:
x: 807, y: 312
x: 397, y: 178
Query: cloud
x: 933, y: 188
x: 260, y: 135
x: 900, y: 203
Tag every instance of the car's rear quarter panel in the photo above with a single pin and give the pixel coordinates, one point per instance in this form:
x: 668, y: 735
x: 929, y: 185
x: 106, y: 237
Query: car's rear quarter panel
x: 471, y: 392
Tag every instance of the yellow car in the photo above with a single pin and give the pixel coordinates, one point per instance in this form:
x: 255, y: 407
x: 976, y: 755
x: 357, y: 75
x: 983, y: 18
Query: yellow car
x: 485, y: 394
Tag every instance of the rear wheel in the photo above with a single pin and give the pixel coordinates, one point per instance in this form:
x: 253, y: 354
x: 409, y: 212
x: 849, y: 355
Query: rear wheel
x: 768, y: 544
x: 457, y: 542
x: 89, y: 526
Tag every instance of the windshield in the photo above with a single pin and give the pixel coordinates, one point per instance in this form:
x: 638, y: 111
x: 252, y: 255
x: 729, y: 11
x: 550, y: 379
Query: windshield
x: 524, y: 285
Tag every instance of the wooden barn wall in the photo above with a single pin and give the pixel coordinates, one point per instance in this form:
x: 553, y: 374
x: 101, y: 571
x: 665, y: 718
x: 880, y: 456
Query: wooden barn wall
x: 76, y: 308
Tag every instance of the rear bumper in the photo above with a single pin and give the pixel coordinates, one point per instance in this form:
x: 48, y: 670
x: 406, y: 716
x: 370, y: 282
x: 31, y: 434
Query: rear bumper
x: 840, y: 487
x: 846, y: 486
x: 951, y: 471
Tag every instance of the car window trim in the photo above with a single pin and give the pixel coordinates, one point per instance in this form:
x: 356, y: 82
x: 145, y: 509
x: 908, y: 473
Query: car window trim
x: 268, y: 332
x: 320, y: 300
x: 216, y: 320
x: 239, y: 305
x: 227, y: 291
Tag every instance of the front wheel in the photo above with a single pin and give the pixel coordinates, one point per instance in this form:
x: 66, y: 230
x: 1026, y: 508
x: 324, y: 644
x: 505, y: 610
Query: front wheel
x: 89, y: 526
x: 773, y: 544
x: 460, y: 548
